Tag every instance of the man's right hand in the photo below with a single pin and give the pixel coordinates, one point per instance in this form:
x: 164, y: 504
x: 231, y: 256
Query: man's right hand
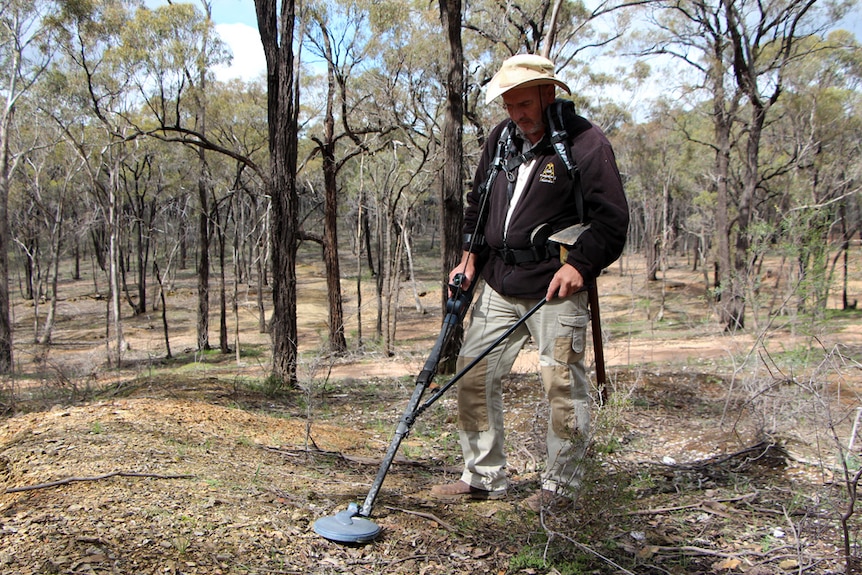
x: 466, y: 269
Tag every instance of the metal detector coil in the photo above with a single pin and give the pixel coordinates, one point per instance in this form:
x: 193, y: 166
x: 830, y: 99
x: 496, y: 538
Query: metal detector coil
x: 347, y: 527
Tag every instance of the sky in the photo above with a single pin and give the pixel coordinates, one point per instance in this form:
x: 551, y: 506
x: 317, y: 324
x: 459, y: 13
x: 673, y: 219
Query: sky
x: 236, y: 23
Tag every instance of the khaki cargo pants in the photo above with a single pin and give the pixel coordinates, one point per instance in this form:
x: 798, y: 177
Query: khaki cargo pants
x: 559, y: 330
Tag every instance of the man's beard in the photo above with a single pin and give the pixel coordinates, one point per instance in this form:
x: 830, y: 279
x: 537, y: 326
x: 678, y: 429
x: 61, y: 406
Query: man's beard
x: 524, y: 136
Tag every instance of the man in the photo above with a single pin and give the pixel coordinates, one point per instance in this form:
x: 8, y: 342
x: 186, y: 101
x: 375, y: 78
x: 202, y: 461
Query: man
x: 525, y: 204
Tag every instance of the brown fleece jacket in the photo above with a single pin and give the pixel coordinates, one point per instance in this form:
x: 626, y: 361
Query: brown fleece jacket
x: 550, y: 198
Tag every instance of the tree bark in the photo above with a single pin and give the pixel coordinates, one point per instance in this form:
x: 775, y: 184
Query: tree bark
x: 452, y: 181
x: 337, y: 340
x: 203, y: 321
x: 5, y: 322
x: 224, y: 346
x: 276, y: 34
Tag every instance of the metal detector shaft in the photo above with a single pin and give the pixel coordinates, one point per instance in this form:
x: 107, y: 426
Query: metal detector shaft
x: 439, y: 393
x: 414, y: 408
x: 456, y: 307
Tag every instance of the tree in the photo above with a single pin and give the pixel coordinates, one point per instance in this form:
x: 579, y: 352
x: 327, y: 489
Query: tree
x: 98, y: 127
x: 452, y: 180
x: 341, y: 49
x: 172, y: 48
x: 276, y: 34
x: 741, y: 51
x: 24, y: 56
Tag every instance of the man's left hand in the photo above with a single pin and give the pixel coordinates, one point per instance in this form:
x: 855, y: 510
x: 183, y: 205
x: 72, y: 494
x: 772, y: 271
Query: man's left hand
x: 565, y: 282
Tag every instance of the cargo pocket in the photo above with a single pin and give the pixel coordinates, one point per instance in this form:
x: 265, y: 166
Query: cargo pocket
x: 572, y: 334
x: 568, y: 349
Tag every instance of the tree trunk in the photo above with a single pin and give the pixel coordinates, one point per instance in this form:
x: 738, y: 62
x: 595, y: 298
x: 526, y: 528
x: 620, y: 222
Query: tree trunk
x: 223, y: 345
x: 452, y: 181
x: 360, y: 215
x: 114, y: 270
x: 392, y: 281
x: 203, y: 321
x: 236, y: 265
x: 5, y: 322
x: 56, y: 244
x: 337, y: 341
x: 158, y: 275
x: 261, y: 310
x: 276, y: 33
x: 728, y: 292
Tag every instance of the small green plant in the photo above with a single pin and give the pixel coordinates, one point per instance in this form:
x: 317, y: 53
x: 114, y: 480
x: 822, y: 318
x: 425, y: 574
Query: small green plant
x: 643, y: 481
x: 607, y: 447
x: 562, y: 559
x: 181, y: 543
x: 527, y: 558
x: 96, y: 428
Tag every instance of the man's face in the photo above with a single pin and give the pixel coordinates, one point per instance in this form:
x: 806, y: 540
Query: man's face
x: 526, y: 107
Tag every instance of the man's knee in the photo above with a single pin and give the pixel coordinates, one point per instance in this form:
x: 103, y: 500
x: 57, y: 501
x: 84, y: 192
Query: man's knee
x: 558, y: 386
x: 472, y: 398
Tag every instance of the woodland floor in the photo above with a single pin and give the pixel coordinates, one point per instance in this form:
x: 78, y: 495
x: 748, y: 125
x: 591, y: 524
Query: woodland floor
x: 715, y: 454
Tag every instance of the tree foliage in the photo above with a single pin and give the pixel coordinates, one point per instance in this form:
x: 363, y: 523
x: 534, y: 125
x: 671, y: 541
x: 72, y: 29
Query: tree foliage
x: 750, y: 150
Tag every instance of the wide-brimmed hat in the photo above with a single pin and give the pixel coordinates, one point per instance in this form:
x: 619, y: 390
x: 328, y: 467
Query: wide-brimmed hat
x: 522, y: 71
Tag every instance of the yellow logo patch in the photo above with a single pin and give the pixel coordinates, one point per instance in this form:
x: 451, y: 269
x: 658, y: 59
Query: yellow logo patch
x: 548, y: 176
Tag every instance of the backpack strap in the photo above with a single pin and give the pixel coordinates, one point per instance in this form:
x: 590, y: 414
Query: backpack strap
x: 507, y: 160
x: 476, y: 240
x: 559, y: 140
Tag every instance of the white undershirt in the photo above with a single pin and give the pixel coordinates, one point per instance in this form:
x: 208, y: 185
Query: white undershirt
x: 524, y: 171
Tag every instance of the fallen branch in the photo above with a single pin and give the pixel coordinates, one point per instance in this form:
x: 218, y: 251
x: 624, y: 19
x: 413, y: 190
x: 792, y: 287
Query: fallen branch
x: 94, y: 478
x: 704, y: 505
x: 429, y: 516
x: 399, y: 459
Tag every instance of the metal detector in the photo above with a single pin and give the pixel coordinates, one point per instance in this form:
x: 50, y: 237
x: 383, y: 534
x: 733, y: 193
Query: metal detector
x: 352, y: 525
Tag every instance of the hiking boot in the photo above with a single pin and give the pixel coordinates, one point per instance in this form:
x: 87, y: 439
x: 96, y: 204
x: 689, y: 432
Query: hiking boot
x: 459, y: 489
x: 547, y: 500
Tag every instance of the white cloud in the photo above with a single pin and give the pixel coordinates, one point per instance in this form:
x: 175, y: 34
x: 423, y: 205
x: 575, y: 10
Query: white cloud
x: 248, y: 59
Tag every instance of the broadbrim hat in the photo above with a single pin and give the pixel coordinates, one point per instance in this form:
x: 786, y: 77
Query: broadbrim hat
x: 523, y: 71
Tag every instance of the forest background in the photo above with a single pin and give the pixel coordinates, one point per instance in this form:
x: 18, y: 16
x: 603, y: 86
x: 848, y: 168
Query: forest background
x: 121, y: 148
x: 127, y: 165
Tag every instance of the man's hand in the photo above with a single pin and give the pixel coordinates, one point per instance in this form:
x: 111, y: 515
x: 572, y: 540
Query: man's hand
x: 467, y: 268
x: 565, y: 282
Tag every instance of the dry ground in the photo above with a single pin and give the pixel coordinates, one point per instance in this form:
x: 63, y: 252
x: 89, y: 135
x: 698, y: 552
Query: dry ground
x: 188, y: 466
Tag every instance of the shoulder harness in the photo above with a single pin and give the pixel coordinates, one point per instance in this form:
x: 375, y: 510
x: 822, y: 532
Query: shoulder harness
x: 508, y: 161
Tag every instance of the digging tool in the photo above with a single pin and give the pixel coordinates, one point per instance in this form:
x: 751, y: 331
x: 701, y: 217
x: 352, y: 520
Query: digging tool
x: 567, y: 238
x: 352, y: 525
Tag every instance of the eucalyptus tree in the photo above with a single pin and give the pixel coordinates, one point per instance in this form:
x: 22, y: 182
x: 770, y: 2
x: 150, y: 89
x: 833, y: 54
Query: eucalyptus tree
x: 738, y: 53
x: 25, y: 53
x: 45, y: 183
x: 93, y: 115
x: 453, y: 174
x: 276, y: 23
x: 338, y: 35
x: 169, y: 53
x: 813, y: 171
x: 403, y: 90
